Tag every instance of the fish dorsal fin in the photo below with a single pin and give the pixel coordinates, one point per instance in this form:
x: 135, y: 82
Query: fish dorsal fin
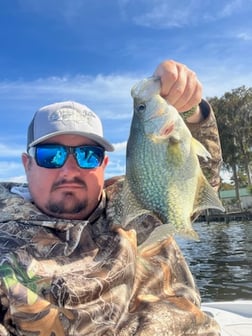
x: 200, y: 150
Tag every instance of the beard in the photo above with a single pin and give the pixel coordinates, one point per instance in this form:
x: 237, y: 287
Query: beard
x: 67, y: 205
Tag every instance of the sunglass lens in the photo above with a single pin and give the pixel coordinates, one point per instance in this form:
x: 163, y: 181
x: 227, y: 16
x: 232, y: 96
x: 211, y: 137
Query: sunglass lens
x: 51, y: 156
x: 89, y: 157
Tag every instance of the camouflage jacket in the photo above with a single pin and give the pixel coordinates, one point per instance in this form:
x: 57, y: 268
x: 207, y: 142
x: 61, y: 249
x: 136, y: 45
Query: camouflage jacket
x: 207, y: 133
x: 61, y: 277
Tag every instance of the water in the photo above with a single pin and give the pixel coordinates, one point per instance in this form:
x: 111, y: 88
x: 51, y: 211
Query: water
x: 221, y: 261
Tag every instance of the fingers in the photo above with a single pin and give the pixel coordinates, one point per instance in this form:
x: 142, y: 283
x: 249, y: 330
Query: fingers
x: 168, y: 73
x: 179, y: 85
x: 191, y: 96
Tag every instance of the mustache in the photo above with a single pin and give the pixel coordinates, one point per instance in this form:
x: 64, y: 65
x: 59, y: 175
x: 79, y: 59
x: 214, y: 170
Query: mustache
x: 63, y: 181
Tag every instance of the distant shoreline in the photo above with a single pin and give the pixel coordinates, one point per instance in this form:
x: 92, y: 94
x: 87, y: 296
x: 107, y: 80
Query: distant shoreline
x: 225, y: 217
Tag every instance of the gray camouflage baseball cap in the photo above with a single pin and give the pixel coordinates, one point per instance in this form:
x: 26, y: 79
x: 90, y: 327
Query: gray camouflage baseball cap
x: 66, y: 117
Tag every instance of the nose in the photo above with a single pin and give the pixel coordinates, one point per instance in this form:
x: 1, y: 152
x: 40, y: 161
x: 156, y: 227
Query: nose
x: 70, y: 167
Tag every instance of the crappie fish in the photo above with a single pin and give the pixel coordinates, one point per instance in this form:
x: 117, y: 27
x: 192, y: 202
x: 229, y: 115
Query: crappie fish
x: 163, y: 174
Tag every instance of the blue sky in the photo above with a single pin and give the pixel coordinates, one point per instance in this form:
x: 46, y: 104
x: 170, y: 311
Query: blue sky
x: 94, y: 51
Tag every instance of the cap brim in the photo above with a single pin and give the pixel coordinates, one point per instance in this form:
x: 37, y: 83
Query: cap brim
x: 99, y: 140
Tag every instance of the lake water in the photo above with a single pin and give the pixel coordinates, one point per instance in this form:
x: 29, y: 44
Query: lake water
x: 221, y: 261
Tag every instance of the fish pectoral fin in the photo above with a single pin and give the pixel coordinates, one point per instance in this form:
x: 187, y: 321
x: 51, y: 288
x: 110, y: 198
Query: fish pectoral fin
x: 159, y: 138
x: 200, y: 150
x: 156, y: 138
x: 207, y: 197
x: 175, y: 138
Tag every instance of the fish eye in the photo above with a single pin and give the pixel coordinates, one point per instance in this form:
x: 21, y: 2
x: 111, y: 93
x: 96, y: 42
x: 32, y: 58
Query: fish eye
x: 141, y: 107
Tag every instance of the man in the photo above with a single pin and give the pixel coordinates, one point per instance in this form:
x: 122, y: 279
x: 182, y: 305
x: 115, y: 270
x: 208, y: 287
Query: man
x: 65, y: 268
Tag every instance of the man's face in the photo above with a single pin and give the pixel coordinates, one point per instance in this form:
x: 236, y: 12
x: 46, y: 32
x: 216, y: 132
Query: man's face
x: 68, y: 192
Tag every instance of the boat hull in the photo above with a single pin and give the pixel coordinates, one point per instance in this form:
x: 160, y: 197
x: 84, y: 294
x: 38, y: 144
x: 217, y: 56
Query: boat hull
x: 234, y: 317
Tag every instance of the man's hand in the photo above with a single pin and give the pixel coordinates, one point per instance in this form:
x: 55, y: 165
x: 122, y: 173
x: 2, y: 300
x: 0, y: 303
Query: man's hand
x: 180, y: 87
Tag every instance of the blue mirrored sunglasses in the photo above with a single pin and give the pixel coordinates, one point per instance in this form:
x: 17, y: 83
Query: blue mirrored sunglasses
x: 54, y: 155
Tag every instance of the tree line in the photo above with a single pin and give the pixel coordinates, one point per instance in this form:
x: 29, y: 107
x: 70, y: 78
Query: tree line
x: 233, y: 112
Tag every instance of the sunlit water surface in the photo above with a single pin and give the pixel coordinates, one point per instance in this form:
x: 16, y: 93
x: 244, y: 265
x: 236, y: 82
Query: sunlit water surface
x: 221, y: 261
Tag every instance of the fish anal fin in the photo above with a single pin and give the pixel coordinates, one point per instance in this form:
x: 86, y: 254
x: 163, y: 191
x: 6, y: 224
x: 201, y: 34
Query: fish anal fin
x: 160, y: 235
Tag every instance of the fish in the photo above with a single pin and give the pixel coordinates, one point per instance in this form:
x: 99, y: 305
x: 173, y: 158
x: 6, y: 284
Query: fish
x: 163, y: 174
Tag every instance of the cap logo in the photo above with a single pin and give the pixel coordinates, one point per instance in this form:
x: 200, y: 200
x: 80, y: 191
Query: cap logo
x: 69, y: 114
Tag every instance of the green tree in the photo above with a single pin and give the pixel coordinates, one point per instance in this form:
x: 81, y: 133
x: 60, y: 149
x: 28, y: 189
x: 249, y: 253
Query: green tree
x: 234, y: 117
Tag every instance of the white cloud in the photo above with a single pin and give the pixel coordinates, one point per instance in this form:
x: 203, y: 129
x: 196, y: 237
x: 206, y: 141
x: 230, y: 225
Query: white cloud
x: 163, y: 14
x: 115, y: 167
x: 157, y: 14
x: 120, y: 147
x: 148, y: 13
x: 10, y: 151
x: 102, y: 91
x: 245, y: 36
x: 231, y: 7
x: 17, y: 179
x: 10, y: 170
